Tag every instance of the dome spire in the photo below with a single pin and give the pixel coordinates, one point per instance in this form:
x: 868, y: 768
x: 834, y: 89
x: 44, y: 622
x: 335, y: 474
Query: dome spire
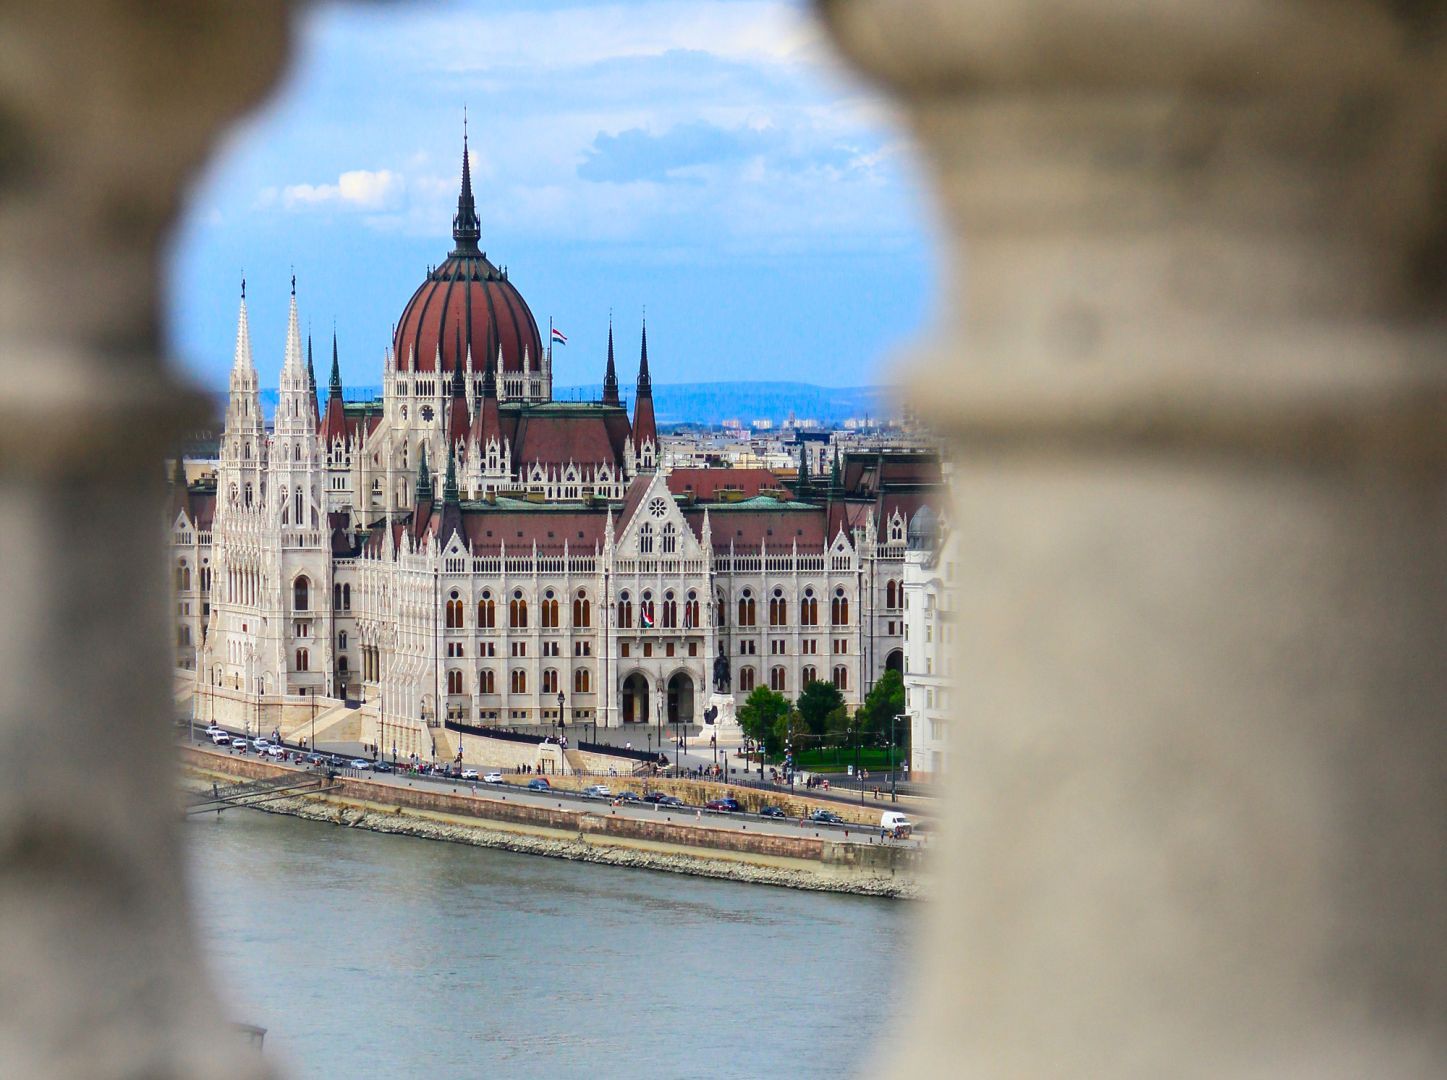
x: 645, y: 380
x: 335, y: 387
x: 466, y: 228
x: 610, y: 377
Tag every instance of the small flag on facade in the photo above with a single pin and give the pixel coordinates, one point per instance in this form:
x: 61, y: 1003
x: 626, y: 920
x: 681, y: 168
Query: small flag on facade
x: 560, y: 337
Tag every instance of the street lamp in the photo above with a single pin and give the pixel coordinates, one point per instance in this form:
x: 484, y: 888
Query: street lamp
x: 893, y: 797
x: 562, y: 723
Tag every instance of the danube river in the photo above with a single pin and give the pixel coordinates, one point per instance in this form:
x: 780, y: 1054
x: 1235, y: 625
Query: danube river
x: 367, y: 955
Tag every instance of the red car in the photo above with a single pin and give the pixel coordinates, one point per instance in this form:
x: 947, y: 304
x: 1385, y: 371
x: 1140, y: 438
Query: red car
x: 730, y: 806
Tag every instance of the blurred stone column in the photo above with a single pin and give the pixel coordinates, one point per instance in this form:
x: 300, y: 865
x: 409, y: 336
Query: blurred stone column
x: 106, y: 111
x: 1199, y: 418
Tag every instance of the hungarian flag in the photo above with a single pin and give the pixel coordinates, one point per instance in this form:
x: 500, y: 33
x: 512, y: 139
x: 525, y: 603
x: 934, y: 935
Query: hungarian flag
x: 645, y: 617
x: 560, y: 337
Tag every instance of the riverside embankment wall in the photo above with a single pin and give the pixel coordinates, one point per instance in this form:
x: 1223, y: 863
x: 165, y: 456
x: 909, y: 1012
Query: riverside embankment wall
x: 591, y: 835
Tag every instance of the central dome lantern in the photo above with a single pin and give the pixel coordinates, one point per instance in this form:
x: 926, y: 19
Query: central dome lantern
x: 467, y: 302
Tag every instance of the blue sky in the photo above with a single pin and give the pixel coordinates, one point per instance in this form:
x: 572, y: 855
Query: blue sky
x: 707, y: 159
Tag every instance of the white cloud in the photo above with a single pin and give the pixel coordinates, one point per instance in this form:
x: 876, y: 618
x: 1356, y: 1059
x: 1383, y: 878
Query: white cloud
x: 359, y: 189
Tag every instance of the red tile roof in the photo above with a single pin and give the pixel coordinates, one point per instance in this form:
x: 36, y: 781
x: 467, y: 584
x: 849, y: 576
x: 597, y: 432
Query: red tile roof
x: 705, y: 484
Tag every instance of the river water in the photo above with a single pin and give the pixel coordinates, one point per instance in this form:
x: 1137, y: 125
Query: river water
x: 367, y: 955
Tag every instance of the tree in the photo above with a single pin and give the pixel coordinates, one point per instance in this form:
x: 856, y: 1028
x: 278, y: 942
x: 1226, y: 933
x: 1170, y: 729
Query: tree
x: 883, y: 702
x: 760, y: 713
x: 818, y: 700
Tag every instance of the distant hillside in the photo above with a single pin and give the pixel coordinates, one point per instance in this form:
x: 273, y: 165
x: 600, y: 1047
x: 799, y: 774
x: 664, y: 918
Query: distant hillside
x: 710, y: 403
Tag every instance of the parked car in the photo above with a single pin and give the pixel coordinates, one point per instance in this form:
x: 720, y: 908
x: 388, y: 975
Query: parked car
x: 469, y: 774
x: 539, y: 783
x: 602, y: 791
x: 826, y: 817
x: 213, y: 730
x: 492, y: 778
x: 671, y: 802
x: 360, y: 763
x: 221, y: 739
x: 654, y: 797
x: 726, y: 805
x: 773, y: 812
x: 261, y: 746
x: 628, y: 796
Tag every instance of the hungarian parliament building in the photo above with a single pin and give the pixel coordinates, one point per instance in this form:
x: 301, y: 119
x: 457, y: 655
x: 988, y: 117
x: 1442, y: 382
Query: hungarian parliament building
x: 467, y: 549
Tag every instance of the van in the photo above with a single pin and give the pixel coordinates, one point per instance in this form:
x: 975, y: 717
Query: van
x: 896, y: 824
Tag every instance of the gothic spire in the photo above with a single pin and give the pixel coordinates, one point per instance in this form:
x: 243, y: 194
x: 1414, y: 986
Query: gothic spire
x: 466, y: 227
x: 804, y: 482
x: 610, y: 377
x: 449, y: 485
x: 242, y: 364
x: 311, y: 380
x: 335, y: 386
x: 424, y: 477
x: 645, y: 381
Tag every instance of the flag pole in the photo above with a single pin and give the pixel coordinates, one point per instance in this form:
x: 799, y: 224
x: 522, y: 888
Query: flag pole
x: 550, y: 342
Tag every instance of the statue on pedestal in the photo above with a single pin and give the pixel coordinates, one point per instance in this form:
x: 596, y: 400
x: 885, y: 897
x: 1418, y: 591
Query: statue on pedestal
x: 721, y: 676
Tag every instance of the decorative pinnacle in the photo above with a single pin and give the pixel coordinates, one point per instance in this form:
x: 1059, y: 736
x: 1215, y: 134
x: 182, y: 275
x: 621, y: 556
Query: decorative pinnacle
x: 466, y: 227
x: 336, y: 383
x: 449, y: 485
x: 645, y: 381
x: 424, y: 477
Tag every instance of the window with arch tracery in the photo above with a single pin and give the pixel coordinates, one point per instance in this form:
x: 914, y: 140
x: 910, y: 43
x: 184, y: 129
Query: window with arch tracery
x: 839, y: 608
x: 549, y: 620
x: 183, y: 576
x: 486, y: 612
x: 296, y: 507
x: 746, y: 678
x: 582, y: 611
x: 454, y: 681
x: 690, y: 611
x: 582, y: 681
x: 778, y: 681
x: 517, y: 611
x: 809, y: 609
x: 841, y: 677
x: 625, y: 611
x: 808, y: 675
x: 518, y: 681
x: 486, y: 683
x: 746, y: 608
x: 645, y: 539
x: 453, y: 612
x: 645, y: 611
x: 778, y: 609
x: 303, y: 659
x: 670, y: 611
x: 893, y: 594
x: 342, y: 642
x: 301, y: 594
x: 670, y: 539
x: 550, y: 681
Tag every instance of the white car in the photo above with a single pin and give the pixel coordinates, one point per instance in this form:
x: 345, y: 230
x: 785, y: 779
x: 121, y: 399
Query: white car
x: 213, y: 731
x: 220, y: 738
x: 603, y: 791
x: 261, y: 746
x: 276, y: 752
x: 492, y: 778
x: 360, y: 763
x: 469, y: 774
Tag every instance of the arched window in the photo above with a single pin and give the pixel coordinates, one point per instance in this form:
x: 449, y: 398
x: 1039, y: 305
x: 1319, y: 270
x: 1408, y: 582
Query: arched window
x: 746, y: 679
x: 809, y: 609
x: 342, y: 643
x: 346, y: 598
x: 690, y: 611
x: 336, y: 596
x: 808, y: 675
x: 841, y: 676
x: 301, y: 593
x: 454, y: 681
x: 302, y: 660
x: 183, y: 577
x: 549, y: 611
x: 296, y: 506
x: 625, y: 611
x: 670, y: 611
x: 839, y: 608
x: 645, y: 612
x: 721, y: 611
x: 518, y: 682
x: 582, y: 610
x: 670, y: 539
x: 550, y: 681
x: 582, y: 681
x: 746, y: 608
x: 645, y: 539
x: 248, y: 494
x: 454, y: 611
x: 485, y: 682
x: 778, y: 609
x: 777, y: 680
x: 486, y: 612
x: 517, y: 611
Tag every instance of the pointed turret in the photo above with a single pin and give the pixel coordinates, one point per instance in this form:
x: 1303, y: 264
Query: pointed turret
x: 466, y: 226
x: 645, y: 431
x: 486, y: 422
x: 450, y: 495
x: 311, y: 381
x: 242, y: 364
x: 457, y: 408
x: 803, y: 485
x: 835, y: 474
x: 610, y: 377
x: 334, y: 387
x: 334, y: 423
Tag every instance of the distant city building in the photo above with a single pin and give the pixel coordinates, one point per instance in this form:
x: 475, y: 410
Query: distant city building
x: 762, y: 424
x: 465, y: 549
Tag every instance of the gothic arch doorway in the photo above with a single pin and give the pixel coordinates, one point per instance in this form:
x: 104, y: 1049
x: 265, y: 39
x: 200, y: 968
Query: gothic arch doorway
x: 895, y: 661
x: 635, y: 699
x: 680, y: 698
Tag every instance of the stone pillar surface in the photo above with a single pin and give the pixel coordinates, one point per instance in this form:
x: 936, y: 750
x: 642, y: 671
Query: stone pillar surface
x: 1198, y: 413
x: 106, y: 110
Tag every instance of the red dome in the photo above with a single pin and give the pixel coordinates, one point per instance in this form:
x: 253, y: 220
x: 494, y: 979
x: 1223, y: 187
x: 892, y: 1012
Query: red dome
x: 467, y: 300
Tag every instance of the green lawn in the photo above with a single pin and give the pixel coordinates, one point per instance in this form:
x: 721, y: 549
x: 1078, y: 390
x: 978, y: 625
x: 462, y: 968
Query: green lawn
x: 832, y: 760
